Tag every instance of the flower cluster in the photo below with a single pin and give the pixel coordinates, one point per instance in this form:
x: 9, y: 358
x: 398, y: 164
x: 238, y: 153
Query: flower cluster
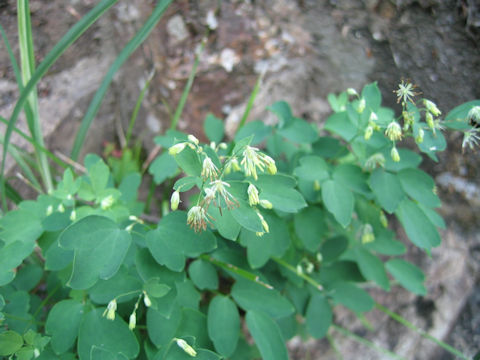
x: 215, y: 188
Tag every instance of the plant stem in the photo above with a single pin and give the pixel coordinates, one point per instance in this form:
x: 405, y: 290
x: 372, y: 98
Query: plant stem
x: 137, y: 107
x: 188, y: 86
x: 251, y: 100
x: 307, y: 278
x: 422, y: 333
x: 366, y: 342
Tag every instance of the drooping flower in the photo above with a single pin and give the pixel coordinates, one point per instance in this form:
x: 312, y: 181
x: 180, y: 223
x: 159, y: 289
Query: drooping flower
x: 186, y: 347
x: 394, y: 154
x: 253, y: 195
x: 197, y: 218
x: 432, y: 107
x: 394, y: 131
x: 109, y: 312
x: 209, y: 170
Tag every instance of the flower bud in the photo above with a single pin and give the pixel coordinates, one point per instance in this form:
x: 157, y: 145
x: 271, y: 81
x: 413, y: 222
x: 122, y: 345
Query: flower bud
x: 252, y: 195
x: 383, y: 219
x: 352, y: 92
x: 361, y: 105
x: 395, y: 155
x: 185, y: 347
x: 146, y: 300
x: 73, y: 215
x: 373, y: 117
x: 193, y: 139
x: 109, y: 312
x: 177, y: 148
x: 368, y: 236
x: 107, y: 202
x: 266, y: 204
x: 429, y: 120
x: 419, y: 137
x: 49, y: 210
x: 432, y: 107
x: 61, y: 208
x: 132, y: 321
x: 175, y: 200
x: 316, y: 185
x: 368, y: 133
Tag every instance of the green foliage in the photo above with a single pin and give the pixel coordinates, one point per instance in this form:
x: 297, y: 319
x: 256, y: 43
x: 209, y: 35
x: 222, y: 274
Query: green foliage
x: 279, y: 236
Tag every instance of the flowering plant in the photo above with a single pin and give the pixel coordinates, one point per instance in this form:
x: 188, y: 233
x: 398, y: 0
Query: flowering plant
x: 287, y: 222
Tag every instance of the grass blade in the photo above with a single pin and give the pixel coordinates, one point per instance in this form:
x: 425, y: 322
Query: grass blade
x: 250, y: 101
x: 73, y: 34
x: 27, y: 59
x: 132, y: 45
x: 188, y: 86
x: 133, y: 119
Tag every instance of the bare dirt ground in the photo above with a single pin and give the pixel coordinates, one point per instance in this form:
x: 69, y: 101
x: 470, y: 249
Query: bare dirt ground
x: 307, y: 49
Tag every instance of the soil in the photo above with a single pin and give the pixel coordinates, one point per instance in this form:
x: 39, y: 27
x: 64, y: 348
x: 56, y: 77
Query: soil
x: 306, y: 49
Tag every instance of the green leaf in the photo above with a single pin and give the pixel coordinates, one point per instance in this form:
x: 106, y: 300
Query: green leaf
x: 213, y: 128
x: 460, y: 112
x: 247, y: 217
x: 312, y: 168
x: 432, y: 143
x: 352, y: 297
x: 274, y: 243
x: 329, y: 148
x: 372, y: 96
x: 352, y: 177
x: 188, y: 182
x: 252, y: 296
x: 300, y: 132
x: 149, y: 269
x: 163, y: 167
x: 408, y: 159
x: 162, y: 329
x: 105, y: 290
x: 10, y: 342
x: 63, y: 323
x: 310, y: 227
x: 419, y: 186
x: 203, y: 275
x: 408, y: 275
x: 385, y: 244
x: 154, y: 288
x: 189, y: 161
x: 256, y: 128
x: 225, y: 223
x: 278, y: 189
x: 173, y: 240
x: 28, y: 277
x: 223, y: 322
x: 111, y: 336
x: 387, y: 189
x: 338, y: 123
x: 333, y: 247
x: 194, y: 323
x: 372, y: 267
x: 339, y: 201
x: 417, y: 225
x: 319, y: 316
x: 267, y: 336
x: 283, y: 112
x: 94, y: 235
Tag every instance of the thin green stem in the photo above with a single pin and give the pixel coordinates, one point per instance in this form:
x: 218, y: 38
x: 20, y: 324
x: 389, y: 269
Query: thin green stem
x: 188, y: 86
x: 251, y: 100
x: 366, y: 342
x: 236, y: 270
x: 307, y: 278
x: 133, y: 119
x: 422, y: 333
x: 333, y: 345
